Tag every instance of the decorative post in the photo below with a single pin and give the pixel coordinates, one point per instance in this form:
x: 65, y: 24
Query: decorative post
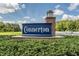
x: 51, y: 19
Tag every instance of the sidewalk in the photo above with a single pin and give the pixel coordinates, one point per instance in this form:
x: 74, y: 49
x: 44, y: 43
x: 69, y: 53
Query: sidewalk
x: 67, y: 33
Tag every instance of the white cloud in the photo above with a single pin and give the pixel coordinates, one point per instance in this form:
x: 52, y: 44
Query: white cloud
x: 70, y: 17
x: 23, y: 5
x: 26, y: 17
x: 73, y: 6
x: 77, y: 16
x: 44, y: 17
x: 57, y: 6
x: 8, y: 7
x: 1, y: 17
x: 9, y: 21
x: 33, y: 20
x: 65, y: 16
x: 58, y: 12
x: 20, y: 21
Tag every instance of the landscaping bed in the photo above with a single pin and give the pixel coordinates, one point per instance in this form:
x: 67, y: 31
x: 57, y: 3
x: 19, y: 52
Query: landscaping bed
x: 35, y: 47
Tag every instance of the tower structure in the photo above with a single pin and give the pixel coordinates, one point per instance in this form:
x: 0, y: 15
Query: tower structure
x: 51, y: 19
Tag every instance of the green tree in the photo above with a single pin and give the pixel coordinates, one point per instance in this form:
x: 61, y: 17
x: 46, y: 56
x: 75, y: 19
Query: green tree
x: 7, y: 27
x: 72, y: 25
x: 67, y: 25
x: 77, y: 25
x: 2, y: 25
x: 62, y: 25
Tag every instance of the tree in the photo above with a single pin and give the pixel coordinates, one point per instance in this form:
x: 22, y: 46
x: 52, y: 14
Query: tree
x: 7, y: 27
x: 67, y: 25
x: 2, y: 25
x: 62, y: 25
x: 77, y: 25
x: 16, y: 27
x: 72, y: 25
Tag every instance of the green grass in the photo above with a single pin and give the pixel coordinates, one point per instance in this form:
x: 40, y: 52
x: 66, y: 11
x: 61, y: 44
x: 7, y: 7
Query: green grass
x: 39, y: 47
x: 10, y: 33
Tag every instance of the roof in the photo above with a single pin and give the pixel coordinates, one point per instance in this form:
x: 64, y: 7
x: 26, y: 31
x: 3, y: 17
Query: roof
x: 49, y: 11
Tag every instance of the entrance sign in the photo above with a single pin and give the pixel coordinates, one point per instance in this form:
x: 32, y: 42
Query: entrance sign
x: 37, y: 29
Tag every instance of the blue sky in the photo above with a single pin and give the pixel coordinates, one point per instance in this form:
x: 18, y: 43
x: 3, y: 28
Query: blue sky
x: 35, y: 12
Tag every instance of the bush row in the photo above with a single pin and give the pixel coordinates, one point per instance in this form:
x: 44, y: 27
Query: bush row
x: 35, y: 47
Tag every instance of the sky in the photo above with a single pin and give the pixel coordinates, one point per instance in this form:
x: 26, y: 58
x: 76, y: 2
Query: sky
x: 36, y: 12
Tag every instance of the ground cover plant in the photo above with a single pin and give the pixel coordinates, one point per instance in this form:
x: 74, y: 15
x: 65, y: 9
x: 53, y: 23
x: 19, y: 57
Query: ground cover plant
x: 69, y: 45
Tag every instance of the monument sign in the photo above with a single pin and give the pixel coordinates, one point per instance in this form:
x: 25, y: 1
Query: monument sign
x: 37, y: 29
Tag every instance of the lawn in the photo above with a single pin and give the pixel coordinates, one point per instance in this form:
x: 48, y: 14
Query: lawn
x: 69, y: 46
x: 10, y: 33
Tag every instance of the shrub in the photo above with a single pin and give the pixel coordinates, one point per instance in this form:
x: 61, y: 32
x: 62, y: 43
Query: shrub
x: 35, y: 47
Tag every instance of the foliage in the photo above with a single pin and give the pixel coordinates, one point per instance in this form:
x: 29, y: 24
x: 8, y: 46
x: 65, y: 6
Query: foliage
x: 7, y: 27
x: 67, y: 25
x: 39, y: 47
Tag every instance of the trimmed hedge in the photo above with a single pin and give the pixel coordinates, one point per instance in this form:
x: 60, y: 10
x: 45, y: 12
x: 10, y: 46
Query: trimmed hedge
x: 40, y: 47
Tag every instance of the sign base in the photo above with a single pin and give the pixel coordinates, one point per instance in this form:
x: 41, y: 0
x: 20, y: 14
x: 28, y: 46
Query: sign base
x: 28, y: 37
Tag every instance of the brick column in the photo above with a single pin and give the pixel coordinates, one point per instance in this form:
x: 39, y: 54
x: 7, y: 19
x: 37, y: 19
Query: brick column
x: 51, y: 20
